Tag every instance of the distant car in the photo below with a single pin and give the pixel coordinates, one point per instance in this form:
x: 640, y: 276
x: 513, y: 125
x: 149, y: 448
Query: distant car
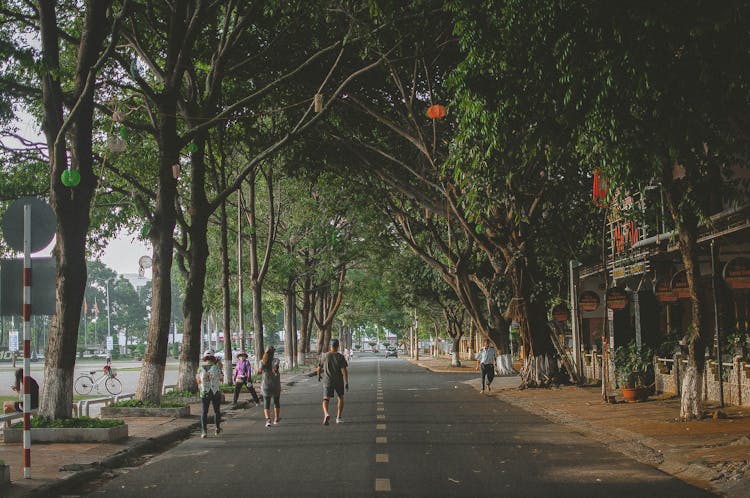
x: 391, y: 352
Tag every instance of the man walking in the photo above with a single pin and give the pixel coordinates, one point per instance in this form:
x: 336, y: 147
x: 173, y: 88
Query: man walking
x: 333, y: 365
x: 486, y: 360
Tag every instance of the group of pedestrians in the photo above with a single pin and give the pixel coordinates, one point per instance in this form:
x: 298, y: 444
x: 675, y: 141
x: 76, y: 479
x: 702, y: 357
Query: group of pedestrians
x: 332, y: 368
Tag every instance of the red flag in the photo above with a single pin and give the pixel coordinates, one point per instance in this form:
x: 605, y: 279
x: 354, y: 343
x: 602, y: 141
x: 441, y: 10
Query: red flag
x: 85, y: 307
x: 96, y: 308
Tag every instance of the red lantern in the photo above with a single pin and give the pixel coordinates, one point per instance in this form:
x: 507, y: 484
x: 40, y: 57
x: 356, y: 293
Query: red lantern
x: 599, y: 195
x: 436, y: 111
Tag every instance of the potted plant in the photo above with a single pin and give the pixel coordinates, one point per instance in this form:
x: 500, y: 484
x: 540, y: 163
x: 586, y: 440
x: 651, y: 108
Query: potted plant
x: 634, y: 369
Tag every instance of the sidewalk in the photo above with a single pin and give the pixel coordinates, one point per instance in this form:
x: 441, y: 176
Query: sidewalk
x: 56, y: 468
x: 713, y: 454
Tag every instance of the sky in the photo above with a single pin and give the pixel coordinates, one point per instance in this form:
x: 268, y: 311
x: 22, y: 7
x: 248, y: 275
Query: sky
x: 123, y: 252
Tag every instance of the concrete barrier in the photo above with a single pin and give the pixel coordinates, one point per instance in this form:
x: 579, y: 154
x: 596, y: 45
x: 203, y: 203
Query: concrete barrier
x: 140, y: 411
x: 69, y: 434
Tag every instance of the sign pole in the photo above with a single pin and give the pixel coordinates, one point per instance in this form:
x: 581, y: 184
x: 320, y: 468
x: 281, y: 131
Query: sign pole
x: 26, y: 341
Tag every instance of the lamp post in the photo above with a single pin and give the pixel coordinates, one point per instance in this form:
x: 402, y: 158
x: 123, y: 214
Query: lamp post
x: 109, y: 321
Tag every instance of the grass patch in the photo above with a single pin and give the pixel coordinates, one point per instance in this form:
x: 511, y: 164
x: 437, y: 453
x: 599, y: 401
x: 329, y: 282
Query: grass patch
x: 180, y: 394
x: 75, y: 423
x: 136, y: 403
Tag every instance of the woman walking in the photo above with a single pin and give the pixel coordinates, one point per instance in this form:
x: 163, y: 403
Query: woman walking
x: 270, y: 385
x: 209, y: 379
x: 243, y: 376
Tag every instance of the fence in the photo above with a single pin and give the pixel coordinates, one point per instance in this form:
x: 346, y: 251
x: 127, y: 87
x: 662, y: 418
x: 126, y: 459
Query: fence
x: 669, y: 373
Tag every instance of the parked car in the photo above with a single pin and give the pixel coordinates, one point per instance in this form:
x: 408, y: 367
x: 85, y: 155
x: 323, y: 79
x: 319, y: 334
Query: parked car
x: 391, y: 352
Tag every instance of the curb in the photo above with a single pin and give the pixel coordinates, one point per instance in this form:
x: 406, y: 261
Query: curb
x: 643, y: 449
x: 96, y: 469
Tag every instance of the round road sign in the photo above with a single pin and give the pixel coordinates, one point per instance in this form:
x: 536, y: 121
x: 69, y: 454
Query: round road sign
x: 43, y: 224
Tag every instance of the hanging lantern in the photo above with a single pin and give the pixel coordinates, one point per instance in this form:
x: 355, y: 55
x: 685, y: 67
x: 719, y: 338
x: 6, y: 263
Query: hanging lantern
x: 118, y: 117
x: 123, y: 132
x: 70, y: 178
x: 678, y: 171
x: 193, y: 147
x: 599, y: 194
x: 318, y: 102
x: 175, y: 171
x: 115, y: 144
x: 436, y: 111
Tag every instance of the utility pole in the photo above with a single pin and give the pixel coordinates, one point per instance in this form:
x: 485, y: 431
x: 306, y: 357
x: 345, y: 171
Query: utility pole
x: 109, y: 322
x: 416, y: 334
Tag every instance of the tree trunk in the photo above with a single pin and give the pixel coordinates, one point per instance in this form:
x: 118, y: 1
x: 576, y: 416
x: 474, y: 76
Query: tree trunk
x: 193, y: 307
x: 151, y: 377
x: 289, y: 332
x: 540, y: 366
x: 225, y: 291
x: 71, y: 205
x: 295, y: 335
x: 198, y: 253
x: 323, y: 344
x: 257, y: 319
x: 691, y: 403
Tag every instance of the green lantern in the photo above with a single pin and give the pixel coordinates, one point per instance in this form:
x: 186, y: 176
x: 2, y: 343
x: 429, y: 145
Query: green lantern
x: 123, y: 132
x: 193, y: 147
x: 70, y: 178
x: 479, y: 229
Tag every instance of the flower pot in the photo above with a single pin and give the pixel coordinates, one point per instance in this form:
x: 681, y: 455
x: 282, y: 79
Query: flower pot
x: 635, y: 394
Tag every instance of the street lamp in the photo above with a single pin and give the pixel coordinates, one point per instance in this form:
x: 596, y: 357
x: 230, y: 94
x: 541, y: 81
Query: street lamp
x: 109, y: 323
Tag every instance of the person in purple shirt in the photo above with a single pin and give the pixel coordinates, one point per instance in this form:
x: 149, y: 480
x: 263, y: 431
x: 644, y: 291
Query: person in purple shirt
x: 243, y: 376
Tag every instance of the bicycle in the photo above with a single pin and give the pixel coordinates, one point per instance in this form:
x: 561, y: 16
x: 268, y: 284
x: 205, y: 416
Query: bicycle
x: 85, y: 382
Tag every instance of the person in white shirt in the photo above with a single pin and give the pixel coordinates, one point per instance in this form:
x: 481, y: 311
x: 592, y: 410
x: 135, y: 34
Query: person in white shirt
x: 486, y: 360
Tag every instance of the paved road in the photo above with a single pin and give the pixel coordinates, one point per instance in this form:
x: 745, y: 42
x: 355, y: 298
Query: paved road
x: 406, y: 430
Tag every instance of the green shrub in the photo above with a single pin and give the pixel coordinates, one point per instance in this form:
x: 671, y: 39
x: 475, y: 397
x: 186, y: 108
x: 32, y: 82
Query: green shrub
x: 180, y: 394
x: 76, y: 423
x: 136, y: 403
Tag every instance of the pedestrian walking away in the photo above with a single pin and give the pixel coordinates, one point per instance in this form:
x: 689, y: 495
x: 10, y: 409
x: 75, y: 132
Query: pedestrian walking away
x: 486, y: 361
x: 209, y: 379
x: 17, y: 406
x: 243, y: 376
x: 333, y: 370
x: 270, y: 385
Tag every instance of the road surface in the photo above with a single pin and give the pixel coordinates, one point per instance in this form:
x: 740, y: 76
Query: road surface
x: 407, y: 432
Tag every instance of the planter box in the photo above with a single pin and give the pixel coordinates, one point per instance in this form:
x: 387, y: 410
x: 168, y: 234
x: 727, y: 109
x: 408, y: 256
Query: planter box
x: 68, y: 435
x: 191, y: 400
x: 4, y: 474
x: 127, y: 411
x: 182, y: 399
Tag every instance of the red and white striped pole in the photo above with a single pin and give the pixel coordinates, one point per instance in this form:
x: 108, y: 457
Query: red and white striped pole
x: 27, y: 341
